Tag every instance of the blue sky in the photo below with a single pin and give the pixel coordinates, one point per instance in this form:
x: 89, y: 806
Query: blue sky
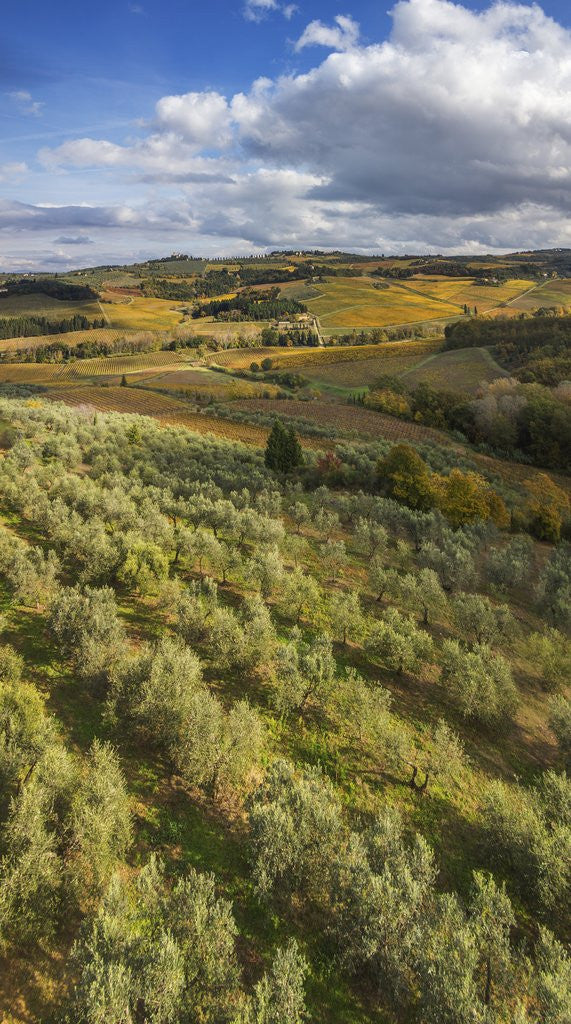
x: 130, y: 129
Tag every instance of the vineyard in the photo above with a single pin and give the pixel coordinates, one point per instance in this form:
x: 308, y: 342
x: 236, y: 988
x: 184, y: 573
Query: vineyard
x: 206, y: 383
x: 103, y: 366
x: 30, y: 373
x: 168, y: 411
x: 345, y: 417
x: 225, y: 333
x: 118, y: 399
x: 394, y: 359
x: 350, y: 302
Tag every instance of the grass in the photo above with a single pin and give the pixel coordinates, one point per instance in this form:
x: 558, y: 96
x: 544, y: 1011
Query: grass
x: 350, y: 374
x: 143, y: 314
x: 552, y: 293
x: 459, y: 370
x: 38, y: 304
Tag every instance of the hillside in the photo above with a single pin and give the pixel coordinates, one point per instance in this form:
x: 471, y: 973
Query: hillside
x: 285, y: 643
x: 349, y: 711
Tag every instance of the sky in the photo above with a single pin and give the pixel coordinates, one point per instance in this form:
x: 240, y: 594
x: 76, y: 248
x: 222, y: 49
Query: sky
x: 129, y: 130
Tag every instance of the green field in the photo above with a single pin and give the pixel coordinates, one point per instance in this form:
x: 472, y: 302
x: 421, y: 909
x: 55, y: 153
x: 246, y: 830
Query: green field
x: 459, y: 370
x: 38, y: 304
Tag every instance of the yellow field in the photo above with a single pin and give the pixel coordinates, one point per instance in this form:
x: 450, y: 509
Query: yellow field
x: 30, y: 373
x: 392, y: 359
x: 240, y: 358
x: 222, y: 331
x: 143, y: 314
x: 103, y: 366
x: 552, y: 293
x: 462, y: 291
x: 357, y: 302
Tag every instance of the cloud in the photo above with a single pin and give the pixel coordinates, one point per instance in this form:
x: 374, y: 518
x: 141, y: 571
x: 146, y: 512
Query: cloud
x: 342, y: 36
x: 73, y: 240
x: 452, y: 134
x: 257, y: 10
x: 25, y: 103
x: 201, y: 119
x: 12, y: 172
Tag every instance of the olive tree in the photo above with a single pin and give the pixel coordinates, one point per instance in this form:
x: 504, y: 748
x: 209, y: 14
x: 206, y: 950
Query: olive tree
x: 479, y: 682
x: 397, y: 642
x: 295, y: 826
x: 481, y: 621
x: 303, y: 671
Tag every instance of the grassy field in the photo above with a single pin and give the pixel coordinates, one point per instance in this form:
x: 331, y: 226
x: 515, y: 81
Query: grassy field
x: 143, y: 314
x: 351, y: 374
x: 459, y: 370
x: 552, y: 293
x: 460, y: 291
x: 38, y: 304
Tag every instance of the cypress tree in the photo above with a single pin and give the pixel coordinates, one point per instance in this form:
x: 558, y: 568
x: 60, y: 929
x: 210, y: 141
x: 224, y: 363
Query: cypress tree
x: 275, y: 447
x: 283, y: 450
x: 293, y: 453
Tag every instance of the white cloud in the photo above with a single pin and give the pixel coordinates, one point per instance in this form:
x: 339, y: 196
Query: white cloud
x: 25, y: 103
x: 257, y: 10
x: 453, y: 134
x: 343, y: 35
x: 12, y: 172
x: 201, y: 118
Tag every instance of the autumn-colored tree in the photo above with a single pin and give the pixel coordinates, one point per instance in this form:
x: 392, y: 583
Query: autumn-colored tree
x: 467, y: 497
x: 406, y: 477
x: 548, y: 506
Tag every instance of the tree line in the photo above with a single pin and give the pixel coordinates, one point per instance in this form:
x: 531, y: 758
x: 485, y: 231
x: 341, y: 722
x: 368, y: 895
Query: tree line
x: 32, y: 326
